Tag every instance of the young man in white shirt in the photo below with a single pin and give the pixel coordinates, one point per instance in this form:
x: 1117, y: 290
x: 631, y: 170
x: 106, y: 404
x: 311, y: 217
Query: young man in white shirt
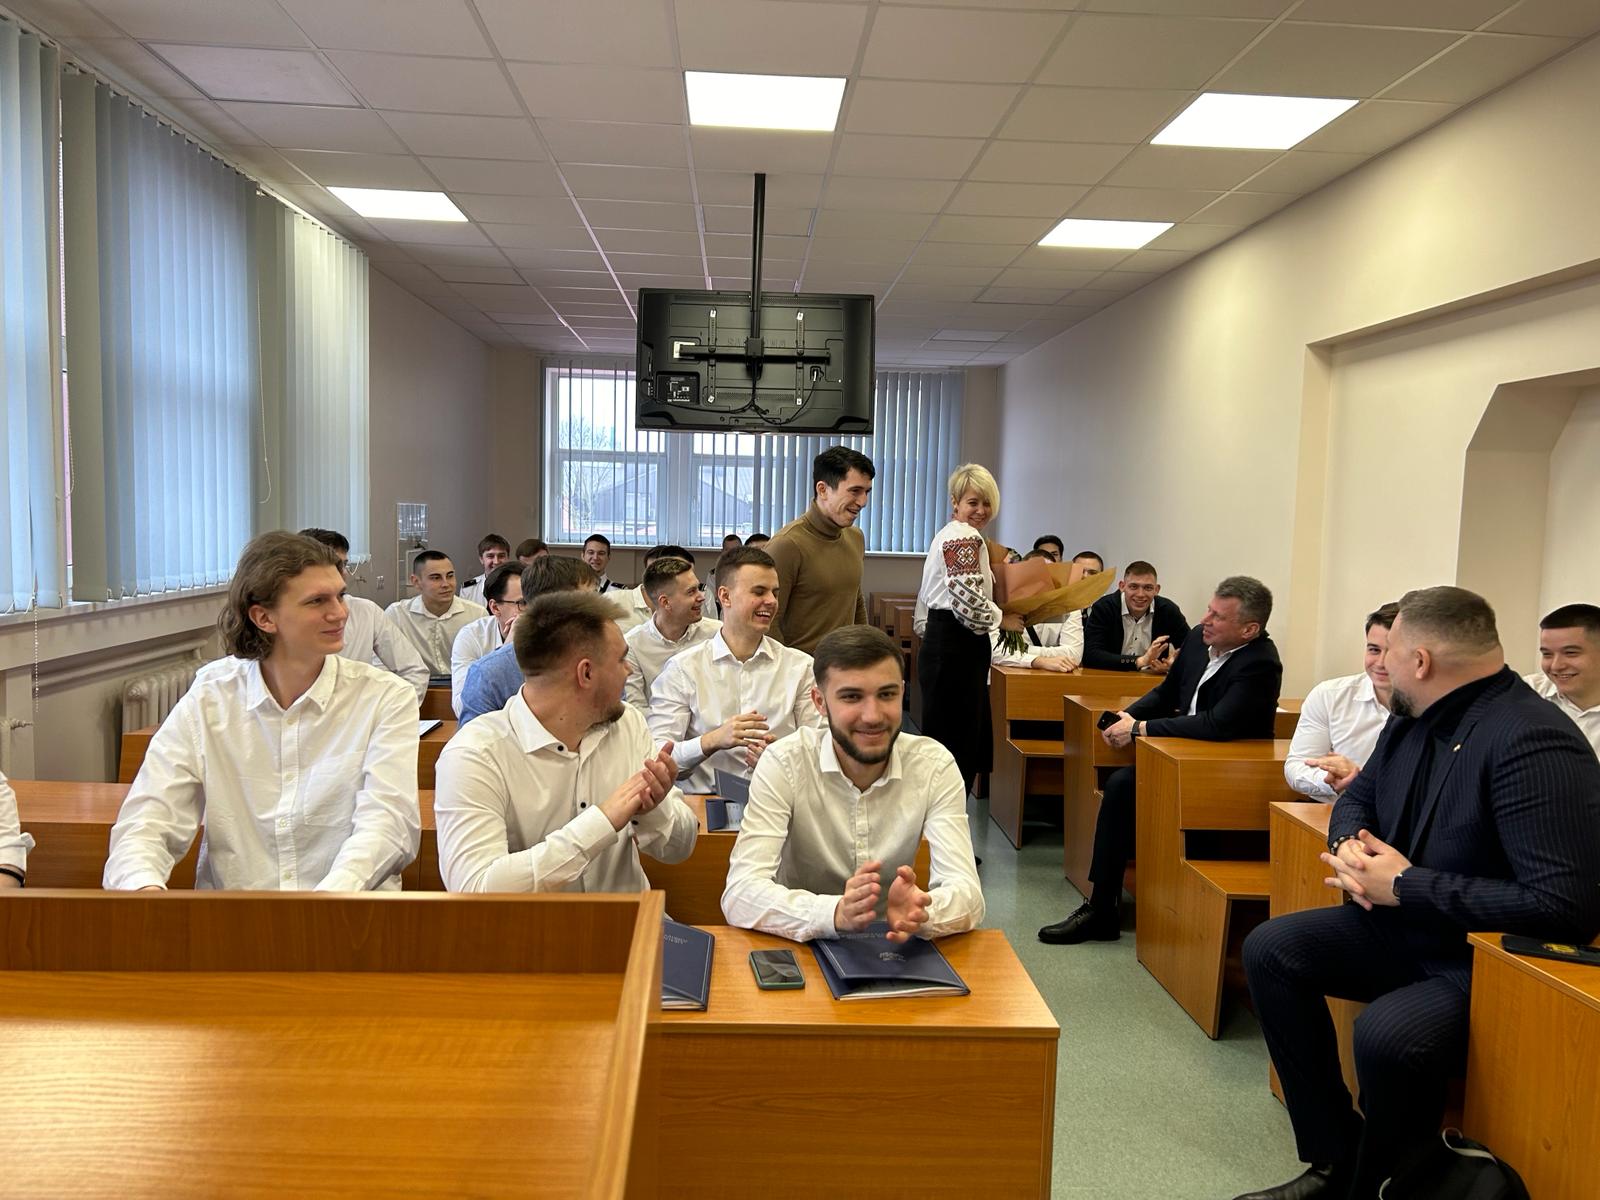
x: 560, y: 790
x: 369, y: 636
x: 829, y: 836
x: 677, y: 624
x: 502, y: 591
x: 724, y: 701
x: 493, y: 550
x: 432, y: 618
x: 300, y: 764
x: 597, y: 553
x: 1569, y: 655
x: 633, y: 606
x: 1341, y: 719
x: 14, y: 844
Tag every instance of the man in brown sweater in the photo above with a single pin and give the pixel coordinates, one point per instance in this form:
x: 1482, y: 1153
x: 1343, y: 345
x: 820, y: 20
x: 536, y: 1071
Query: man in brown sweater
x: 820, y: 555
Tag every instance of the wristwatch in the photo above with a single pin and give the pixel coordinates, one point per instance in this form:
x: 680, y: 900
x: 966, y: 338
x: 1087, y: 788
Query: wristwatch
x: 1133, y: 730
x: 1395, y: 886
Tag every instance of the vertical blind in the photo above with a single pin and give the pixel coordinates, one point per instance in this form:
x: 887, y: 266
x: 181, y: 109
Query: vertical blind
x: 31, y: 558
x: 638, y: 487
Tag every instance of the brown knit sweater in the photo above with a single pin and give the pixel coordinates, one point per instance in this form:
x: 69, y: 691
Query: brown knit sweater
x: 819, y: 579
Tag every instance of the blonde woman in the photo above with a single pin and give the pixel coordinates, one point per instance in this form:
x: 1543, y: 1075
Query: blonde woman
x: 957, y: 603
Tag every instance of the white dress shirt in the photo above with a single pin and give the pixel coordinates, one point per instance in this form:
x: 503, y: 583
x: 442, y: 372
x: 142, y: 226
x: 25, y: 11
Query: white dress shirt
x: 956, y: 576
x: 370, y: 637
x: 1058, y: 639
x: 476, y: 639
x: 702, y: 687
x: 1214, y: 663
x: 1587, y: 719
x: 472, y: 591
x: 649, y: 652
x: 633, y: 609
x: 1137, y: 632
x: 434, y: 636
x: 519, y: 812
x: 1339, y: 716
x: 321, y: 796
x: 14, y: 844
x: 807, y: 829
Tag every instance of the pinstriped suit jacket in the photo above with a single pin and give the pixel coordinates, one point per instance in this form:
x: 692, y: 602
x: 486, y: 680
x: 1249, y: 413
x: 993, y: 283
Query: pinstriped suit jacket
x: 1508, y: 836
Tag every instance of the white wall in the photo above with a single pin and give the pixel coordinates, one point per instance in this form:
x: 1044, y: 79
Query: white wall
x: 1195, y: 423
x: 1572, y: 537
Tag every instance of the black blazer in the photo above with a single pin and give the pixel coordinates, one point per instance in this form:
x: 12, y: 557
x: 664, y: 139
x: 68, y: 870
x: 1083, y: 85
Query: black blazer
x: 1102, y: 631
x: 1239, y: 701
x: 1508, y: 837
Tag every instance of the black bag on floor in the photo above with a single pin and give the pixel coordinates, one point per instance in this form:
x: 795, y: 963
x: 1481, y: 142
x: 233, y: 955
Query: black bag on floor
x: 1455, y: 1168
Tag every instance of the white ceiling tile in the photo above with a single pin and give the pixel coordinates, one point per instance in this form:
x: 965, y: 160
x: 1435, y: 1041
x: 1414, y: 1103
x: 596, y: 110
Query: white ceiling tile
x: 737, y: 188
x: 726, y: 245
x: 447, y: 136
x: 547, y: 237
x: 552, y: 279
x: 435, y: 255
x: 207, y: 118
x: 396, y: 26
x: 413, y: 275
x: 438, y: 233
x: 833, y: 222
x: 632, y: 145
x: 865, y: 275
x: 911, y: 157
x: 965, y: 254
x: 1189, y: 167
x: 629, y: 214
x: 1375, y: 125
x: 1264, y: 10
x: 900, y: 195
x: 1477, y: 65
x: 1193, y: 236
x: 1411, y: 14
x: 517, y: 318
x: 632, y: 283
x: 253, y: 73
x: 649, y: 241
x: 1142, y: 204
x: 332, y: 169
x: 496, y: 176
x: 1301, y: 171
x: 1242, y: 208
x: 1034, y: 277
x: 1125, y: 115
x: 628, y: 183
x: 126, y: 62
x: 867, y: 250
x: 937, y: 109
x: 937, y: 292
x: 63, y: 18
x: 1330, y: 60
x: 657, y: 264
x: 1155, y: 260
x: 1554, y: 18
x: 955, y: 276
x: 782, y: 222
x: 1069, y: 258
x: 304, y: 127
x: 1047, y: 162
x: 615, y: 32
x: 264, y: 162
x: 458, y: 274
x: 760, y: 150
x: 219, y: 22
x: 766, y: 37
x: 503, y: 297
x: 601, y: 93
x: 1015, y: 199
x: 518, y: 210
x: 1120, y: 283
x: 1017, y: 231
x: 977, y: 47
x: 1105, y: 50
x: 413, y: 84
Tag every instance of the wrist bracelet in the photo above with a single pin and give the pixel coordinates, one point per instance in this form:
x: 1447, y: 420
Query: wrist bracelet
x: 22, y: 880
x: 1333, y: 846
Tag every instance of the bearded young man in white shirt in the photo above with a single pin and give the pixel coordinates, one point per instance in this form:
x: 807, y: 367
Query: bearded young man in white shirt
x: 369, y: 636
x: 560, y: 790
x: 502, y: 591
x: 300, y: 764
x: 1569, y: 655
x: 1341, y: 719
x: 432, y: 618
x: 830, y: 833
x: 724, y: 701
x: 678, y: 623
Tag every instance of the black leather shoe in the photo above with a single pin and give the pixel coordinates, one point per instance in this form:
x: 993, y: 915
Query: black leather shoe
x: 1318, y: 1183
x: 1086, y: 924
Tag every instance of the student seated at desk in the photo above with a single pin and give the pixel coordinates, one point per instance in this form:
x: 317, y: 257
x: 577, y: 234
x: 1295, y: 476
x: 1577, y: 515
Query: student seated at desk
x: 1569, y: 657
x: 677, y: 624
x: 529, y: 549
x: 835, y: 815
x: 724, y: 701
x: 502, y: 591
x: 496, y: 677
x: 1225, y: 687
x: 1067, y: 633
x: 1134, y: 628
x: 597, y: 553
x: 369, y: 636
x: 1340, y: 721
x: 433, y: 617
x: 633, y: 606
x: 560, y: 790
x: 302, y: 764
x: 493, y: 551
x: 14, y: 844
x: 1050, y: 546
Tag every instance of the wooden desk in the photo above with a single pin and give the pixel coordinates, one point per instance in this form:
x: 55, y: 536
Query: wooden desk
x: 1531, y: 1068
x: 1190, y: 878
x: 1084, y: 757
x: 136, y: 743
x: 1025, y: 712
x: 436, y: 705
x: 753, y: 1095
x: 269, y: 1012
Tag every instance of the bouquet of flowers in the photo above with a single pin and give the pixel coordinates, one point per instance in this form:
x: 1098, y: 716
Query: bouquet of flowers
x: 1040, y: 591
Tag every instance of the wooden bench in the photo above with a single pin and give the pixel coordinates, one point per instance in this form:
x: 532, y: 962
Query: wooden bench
x: 1228, y: 898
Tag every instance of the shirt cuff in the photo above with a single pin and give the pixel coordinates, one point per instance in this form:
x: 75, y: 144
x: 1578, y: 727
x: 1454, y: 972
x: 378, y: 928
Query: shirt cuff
x: 135, y: 880
x: 822, y: 918
x: 592, y: 830
x: 688, y: 755
x: 342, y: 880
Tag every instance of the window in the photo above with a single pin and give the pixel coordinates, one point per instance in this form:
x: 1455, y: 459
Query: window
x: 640, y: 488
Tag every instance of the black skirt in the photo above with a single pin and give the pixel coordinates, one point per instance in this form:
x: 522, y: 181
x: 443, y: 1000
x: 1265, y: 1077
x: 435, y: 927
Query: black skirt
x: 953, y: 668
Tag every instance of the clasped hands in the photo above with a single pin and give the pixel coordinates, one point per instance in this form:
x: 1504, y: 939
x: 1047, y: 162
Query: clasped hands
x: 1364, y: 868
x: 908, y: 903
x: 643, y: 790
x: 747, y: 731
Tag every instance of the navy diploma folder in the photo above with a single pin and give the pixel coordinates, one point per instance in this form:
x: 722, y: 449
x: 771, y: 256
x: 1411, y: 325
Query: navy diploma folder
x: 685, y: 965
x: 868, y: 966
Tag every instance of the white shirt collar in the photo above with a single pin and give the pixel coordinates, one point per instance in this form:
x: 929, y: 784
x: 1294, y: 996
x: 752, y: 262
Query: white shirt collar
x: 317, y: 695
x: 1148, y: 613
x: 655, y: 631
x: 457, y: 605
x: 720, y: 649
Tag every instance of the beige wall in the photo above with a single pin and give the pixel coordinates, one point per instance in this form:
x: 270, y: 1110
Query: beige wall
x: 1169, y: 426
x: 1572, y: 529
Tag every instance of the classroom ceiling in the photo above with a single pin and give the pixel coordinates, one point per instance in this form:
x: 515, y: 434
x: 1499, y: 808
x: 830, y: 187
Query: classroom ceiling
x: 969, y: 128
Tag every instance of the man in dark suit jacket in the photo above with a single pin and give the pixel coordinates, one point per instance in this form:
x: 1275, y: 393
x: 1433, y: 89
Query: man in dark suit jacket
x: 1134, y: 628
x: 1478, y: 810
x: 1223, y: 687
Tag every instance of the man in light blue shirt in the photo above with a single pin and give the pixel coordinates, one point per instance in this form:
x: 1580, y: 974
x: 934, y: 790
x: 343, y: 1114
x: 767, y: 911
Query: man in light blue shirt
x: 496, y: 677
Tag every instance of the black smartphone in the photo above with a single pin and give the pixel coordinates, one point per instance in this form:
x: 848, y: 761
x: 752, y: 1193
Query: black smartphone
x: 776, y: 970
x: 1107, y: 719
x: 1560, y: 951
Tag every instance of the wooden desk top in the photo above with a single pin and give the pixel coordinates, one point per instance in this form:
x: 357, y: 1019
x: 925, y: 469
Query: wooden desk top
x: 1188, y: 750
x: 1308, y: 814
x: 1004, y: 1002
x: 1576, y: 981
x: 442, y: 732
x: 1101, y: 704
x: 54, y: 801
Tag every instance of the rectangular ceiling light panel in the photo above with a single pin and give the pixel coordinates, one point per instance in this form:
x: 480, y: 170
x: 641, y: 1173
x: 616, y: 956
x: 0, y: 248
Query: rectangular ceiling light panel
x: 1105, y: 235
x: 1221, y: 119
x: 399, y: 205
x: 763, y: 101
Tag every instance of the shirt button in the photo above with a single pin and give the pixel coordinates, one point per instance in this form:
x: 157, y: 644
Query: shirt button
x: 283, y: 822
x: 583, y: 804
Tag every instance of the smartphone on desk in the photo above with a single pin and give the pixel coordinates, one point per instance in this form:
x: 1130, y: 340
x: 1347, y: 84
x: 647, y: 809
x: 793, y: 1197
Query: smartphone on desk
x: 776, y: 970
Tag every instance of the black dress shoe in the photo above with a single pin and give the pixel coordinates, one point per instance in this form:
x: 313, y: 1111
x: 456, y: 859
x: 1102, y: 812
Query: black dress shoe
x: 1317, y: 1183
x: 1086, y: 924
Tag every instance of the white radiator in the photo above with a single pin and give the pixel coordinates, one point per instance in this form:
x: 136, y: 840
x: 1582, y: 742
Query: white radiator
x: 147, y: 699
